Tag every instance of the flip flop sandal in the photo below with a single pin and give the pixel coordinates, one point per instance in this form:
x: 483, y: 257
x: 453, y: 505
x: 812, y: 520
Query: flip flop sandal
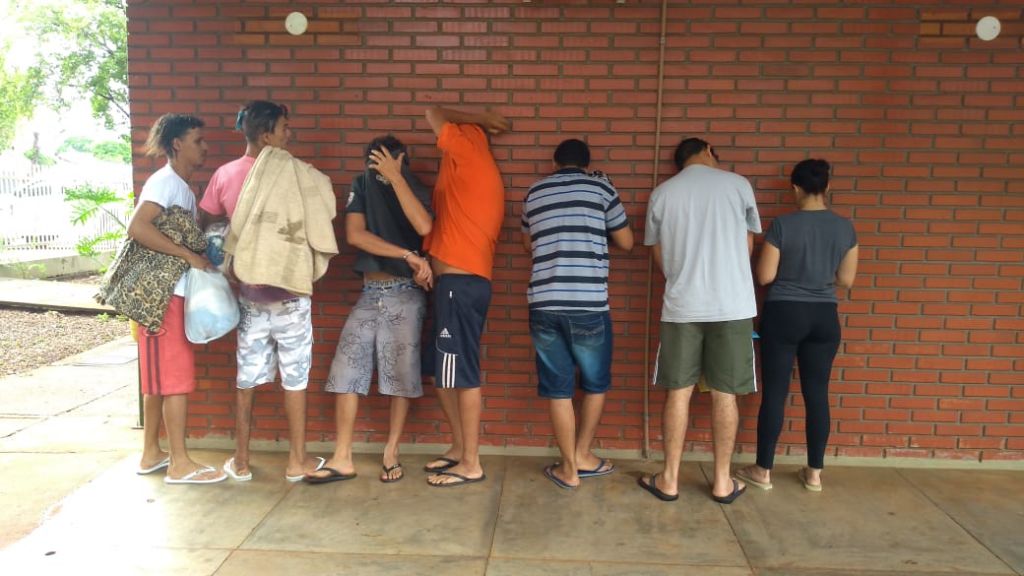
x: 387, y: 478
x: 459, y: 477
x: 749, y: 480
x: 229, y: 469
x: 807, y: 485
x: 319, y: 466
x: 653, y: 489
x: 549, y: 472
x: 736, y: 491
x: 599, y: 471
x: 190, y: 478
x: 448, y: 463
x: 159, y: 466
x: 332, y: 476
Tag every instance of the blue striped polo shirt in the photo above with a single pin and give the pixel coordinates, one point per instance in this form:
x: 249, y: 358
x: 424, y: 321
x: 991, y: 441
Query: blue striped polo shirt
x: 568, y: 216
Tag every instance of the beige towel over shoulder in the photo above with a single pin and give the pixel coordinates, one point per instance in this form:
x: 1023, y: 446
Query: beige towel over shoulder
x: 281, y: 232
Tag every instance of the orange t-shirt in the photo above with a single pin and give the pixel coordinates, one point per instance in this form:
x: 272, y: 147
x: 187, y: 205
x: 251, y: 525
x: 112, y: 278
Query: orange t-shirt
x: 469, y: 201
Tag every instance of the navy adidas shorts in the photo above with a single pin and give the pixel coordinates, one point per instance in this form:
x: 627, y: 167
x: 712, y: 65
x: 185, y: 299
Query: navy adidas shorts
x: 460, y: 309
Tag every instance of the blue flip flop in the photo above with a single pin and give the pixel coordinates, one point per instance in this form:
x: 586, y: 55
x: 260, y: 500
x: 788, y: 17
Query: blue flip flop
x: 549, y: 471
x: 599, y: 471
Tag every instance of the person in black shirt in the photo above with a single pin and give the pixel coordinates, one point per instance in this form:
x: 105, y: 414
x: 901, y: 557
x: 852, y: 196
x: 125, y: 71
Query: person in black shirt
x: 387, y: 215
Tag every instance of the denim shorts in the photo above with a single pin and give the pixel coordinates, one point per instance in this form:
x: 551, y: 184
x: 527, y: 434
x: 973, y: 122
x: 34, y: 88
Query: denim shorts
x: 566, y: 341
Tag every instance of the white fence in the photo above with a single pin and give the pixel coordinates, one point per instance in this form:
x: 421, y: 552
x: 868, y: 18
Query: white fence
x: 35, y: 220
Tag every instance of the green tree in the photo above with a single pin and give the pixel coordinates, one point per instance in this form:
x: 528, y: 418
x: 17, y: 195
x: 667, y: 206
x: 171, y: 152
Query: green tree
x: 76, y: 143
x: 83, y: 52
x: 111, y: 150
x: 18, y: 92
x: 114, y: 151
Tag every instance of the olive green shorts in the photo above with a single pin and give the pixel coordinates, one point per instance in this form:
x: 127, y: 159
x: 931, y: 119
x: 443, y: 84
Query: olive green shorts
x: 722, y: 351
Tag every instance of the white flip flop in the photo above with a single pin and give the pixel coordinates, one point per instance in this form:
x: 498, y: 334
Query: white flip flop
x: 163, y: 464
x: 229, y: 469
x: 319, y: 465
x: 190, y: 478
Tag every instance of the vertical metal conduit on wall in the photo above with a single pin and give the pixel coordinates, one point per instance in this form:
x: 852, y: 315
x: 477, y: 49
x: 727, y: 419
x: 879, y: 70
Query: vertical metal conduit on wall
x: 655, y: 162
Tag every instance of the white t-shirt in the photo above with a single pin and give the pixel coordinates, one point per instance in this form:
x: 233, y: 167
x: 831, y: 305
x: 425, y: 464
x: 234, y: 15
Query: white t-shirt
x: 167, y: 189
x: 701, y: 217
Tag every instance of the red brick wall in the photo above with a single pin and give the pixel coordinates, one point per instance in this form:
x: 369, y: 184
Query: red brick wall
x: 923, y: 122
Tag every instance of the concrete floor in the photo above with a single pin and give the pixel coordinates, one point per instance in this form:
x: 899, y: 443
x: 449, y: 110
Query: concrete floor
x: 71, y: 503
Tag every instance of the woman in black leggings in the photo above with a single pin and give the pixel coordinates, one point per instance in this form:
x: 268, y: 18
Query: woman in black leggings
x: 806, y: 255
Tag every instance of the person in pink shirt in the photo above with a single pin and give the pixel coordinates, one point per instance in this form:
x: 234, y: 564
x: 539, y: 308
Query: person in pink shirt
x: 275, y: 332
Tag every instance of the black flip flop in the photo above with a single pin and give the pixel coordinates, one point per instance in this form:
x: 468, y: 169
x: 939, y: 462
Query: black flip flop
x: 736, y: 491
x: 387, y: 479
x: 332, y: 476
x: 448, y: 463
x: 653, y: 489
x: 461, y: 479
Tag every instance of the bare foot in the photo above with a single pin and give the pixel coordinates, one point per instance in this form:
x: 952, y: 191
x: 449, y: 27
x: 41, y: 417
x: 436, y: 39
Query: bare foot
x: 392, y: 473
x: 152, y: 461
x: 569, y: 479
x: 344, y: 467
x: 195, y: 472
x: 811, y: 478
x: 391, y: 466
x: 756, y: 476
x: 310, y: 465
x: 458, y: 474
x: 237, y: 469
x: 449, y: 459
x: 589, y: 461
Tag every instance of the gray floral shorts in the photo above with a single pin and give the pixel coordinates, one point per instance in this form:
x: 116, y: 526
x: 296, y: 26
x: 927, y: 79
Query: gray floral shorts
x: 275, y: 336
x: 383, y: 327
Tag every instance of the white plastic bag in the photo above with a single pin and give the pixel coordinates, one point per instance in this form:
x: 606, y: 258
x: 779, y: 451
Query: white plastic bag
x: 211, y: 309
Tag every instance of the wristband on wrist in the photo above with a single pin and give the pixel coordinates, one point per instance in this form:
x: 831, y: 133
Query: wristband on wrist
x: 409, y: 253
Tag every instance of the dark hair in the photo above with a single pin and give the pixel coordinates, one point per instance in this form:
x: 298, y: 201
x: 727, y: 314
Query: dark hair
x: 573, y: 152
x: 394, y: 146
x: 689, y: 148
x: 811, y: 175
x: 259, y: 117
x: 166, y: 129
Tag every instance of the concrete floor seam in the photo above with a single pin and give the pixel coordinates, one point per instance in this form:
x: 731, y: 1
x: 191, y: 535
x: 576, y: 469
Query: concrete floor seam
x: 966, y: 530
x: 263, y: 520
x: 736, y: 535
x: 497, y: 516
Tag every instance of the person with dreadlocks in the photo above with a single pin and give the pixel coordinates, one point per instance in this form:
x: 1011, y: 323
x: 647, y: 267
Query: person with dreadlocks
x: 275, y: 330
x: 166, y: 361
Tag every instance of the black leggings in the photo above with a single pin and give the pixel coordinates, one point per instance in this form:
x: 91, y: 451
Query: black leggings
x: 810, y: 332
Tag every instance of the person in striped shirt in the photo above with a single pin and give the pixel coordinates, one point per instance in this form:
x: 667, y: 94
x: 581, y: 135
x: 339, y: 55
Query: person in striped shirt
x: 568, y: 219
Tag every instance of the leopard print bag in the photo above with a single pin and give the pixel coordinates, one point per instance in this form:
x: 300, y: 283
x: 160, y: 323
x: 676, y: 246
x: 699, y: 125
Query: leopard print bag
x: 140, y: 281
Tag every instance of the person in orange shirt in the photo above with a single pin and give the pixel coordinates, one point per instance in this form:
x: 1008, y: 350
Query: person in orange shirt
x: 469, y: 207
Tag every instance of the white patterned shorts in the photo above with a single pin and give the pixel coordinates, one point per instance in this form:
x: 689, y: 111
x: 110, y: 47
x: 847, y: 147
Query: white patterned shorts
x: 385, y: 326
x: 275, y: 336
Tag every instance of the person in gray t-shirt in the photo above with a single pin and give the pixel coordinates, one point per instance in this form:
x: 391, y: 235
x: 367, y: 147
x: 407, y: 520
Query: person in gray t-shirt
x: 805, y: 256
x: 701, y: 224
